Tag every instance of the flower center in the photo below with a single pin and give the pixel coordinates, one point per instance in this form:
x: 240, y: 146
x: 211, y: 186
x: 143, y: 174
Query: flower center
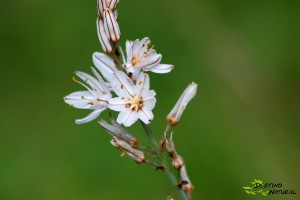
x: 135, y: 61
x: 135, y: 104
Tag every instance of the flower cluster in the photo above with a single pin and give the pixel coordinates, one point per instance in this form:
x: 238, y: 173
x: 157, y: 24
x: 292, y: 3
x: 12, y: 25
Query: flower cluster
x: 120, y: 82
x: 128, y: 81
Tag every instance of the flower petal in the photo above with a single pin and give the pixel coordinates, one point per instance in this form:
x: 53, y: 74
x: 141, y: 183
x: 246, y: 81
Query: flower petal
x: 101, y: 81
x: 80, y: 99
x: 146, y: 115
x: 149, y: 104
x: 161, y: 68
x: 103, y: 38
x: 149, y: 95
x: 91, y: 116
x: 94, y: 83
x: 122, y: 84
x: 142, y: 84
x: 104, y: 64
x: 127, y: 117
x: 129, y: 44
x: 111, y: 26
x: 150, y: 62
x: 117, y: 104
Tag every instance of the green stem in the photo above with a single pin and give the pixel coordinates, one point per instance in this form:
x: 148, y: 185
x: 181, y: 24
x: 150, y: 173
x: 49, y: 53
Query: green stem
x: 170, y: 175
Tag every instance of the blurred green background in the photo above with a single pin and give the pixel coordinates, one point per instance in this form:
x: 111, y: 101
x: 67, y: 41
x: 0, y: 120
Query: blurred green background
x: 243, y: 124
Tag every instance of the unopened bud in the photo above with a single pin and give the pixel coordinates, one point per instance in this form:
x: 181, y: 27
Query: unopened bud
x: 170, y: 147
x: 111, y: 26
x: 103, y: 37
x: 178, y: 162
x: 103, y: 4
x: 162, y: 142
x: 136, y: 155
x: 186, y: 184
x: 175, y: 114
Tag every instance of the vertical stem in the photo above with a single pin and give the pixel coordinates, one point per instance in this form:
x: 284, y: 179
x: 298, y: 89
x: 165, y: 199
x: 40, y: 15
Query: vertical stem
x: 170, y: 175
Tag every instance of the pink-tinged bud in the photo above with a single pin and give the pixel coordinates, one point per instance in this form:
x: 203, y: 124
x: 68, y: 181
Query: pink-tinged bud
x: 136, y: 155
x: 185, y: 184
x: 111, y: 26
x: 178, y: 162
x: 175, y: 114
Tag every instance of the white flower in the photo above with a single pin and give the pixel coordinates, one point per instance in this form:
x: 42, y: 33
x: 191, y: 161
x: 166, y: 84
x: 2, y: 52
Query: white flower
x: 175, y: 114
x: 140, y: 56
x: 134, y: 101
x: 94, y: 98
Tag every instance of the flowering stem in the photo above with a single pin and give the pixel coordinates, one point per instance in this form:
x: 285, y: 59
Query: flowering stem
x: 170, y: 175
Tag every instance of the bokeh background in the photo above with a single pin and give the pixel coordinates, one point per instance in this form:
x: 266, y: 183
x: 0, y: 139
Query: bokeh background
x: 243, y: 124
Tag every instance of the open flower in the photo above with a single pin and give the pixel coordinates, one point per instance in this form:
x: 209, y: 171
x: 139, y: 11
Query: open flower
x: 94, y: 98
x: 141, y: 56
x: 134, y: 101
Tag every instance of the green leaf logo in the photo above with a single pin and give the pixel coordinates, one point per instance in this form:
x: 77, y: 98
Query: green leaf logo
x: 253, y: 190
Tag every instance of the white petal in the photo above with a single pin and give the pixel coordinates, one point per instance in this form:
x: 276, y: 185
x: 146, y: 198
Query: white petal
x: 127, y: 117
x: 122, y: 85
x: 149, y: 95
x: 161, y: 68
x: 104, y: 64
x: 146, y: 115
x: 111, y: 26
x: 135, y: 48
x: 94, y: 83
x: 150, y: 62
x: 117, y: 104
x: 142, y: 84
x: 90, y: 117
x: 104, y: 40
x: 80, y: 99
x: 144, y: 45
x: 149, y: 104
x: 129, y: 44
x: 101, y: 82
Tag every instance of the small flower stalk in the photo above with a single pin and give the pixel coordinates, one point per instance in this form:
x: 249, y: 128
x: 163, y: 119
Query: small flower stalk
x: 120, y: 83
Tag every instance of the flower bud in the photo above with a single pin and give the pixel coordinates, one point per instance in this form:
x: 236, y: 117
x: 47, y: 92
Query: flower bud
x: 175, y: 114
x: 170, y: 147
x: 178, y: 162
x: 186, y: 184
x: 103, y: 38
x: 136, y: 155
x: 111, y: 26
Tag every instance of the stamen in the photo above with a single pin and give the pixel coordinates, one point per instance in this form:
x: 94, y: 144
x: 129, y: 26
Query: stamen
x: 74, y: 79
